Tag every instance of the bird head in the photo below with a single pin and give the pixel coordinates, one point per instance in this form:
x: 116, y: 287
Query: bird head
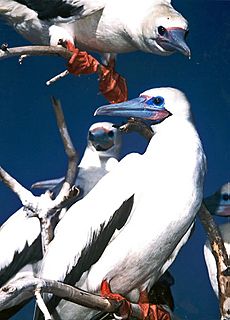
x: 164, y: 31
x: 104, y: 137
x: 155, y: 105
x: 219, y: 202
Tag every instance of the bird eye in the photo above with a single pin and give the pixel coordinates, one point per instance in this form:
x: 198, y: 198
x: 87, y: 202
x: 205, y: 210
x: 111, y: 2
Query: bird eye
x: 110, y: 134
x: 161, y: 30
x: 226, y: 197
x: 158, y: 101
x: 90, y: 136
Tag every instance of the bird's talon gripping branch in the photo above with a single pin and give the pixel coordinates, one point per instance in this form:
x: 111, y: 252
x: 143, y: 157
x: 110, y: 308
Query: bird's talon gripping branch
x: 111, y: 84
x: 151, y: 311
x: 124, y: 311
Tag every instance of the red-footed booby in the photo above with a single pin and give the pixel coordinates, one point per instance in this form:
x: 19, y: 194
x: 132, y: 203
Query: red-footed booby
x: 105, y: 26
x: 101, y: 155
x: 20, y: 238
x: 124, y: 234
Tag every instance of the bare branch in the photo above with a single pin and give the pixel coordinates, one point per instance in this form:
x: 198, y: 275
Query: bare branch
x: 24, y: 195
x: 69, y: 150
x: 136, y: 125
x: 36, y: 51
x: 214, y: 236
x: 25, y: 288
x: 221, y: 257
x: 57, y: 77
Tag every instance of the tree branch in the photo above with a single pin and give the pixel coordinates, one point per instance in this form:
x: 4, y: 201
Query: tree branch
x: 35, y: 51
x: 25, y: 288
x: 136, y: 125
x: 44, y: 207
x: 70, y: 152
x: 221, y: 257
x: 26, y: 197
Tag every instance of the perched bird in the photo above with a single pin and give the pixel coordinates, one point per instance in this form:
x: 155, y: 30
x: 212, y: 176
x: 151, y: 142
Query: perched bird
x: 125, y: 233
x: 101, y: 26
x: 219, y: 202
x: 20, y: 238
x: 100, y: 156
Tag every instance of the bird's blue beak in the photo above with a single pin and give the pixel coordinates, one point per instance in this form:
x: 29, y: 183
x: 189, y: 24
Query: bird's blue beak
x: 174, y: 40
x: 136, y: 108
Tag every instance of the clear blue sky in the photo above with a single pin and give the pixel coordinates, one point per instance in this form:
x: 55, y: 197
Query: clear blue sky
x: 31, y: 148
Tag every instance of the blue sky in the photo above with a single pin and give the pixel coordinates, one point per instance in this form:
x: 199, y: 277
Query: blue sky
x: 31, y: 148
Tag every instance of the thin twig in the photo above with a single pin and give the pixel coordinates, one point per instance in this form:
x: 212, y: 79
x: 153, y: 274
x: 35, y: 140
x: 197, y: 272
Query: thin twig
x: 41, y: 304
x: 26, y: 197
x: 57, y: 77
x: 69, y: 150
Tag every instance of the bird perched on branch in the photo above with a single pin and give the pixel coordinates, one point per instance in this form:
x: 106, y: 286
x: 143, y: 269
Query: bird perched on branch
x: 20, y: 235
x: 127, y: 231
x: 100, y: 156
x: 104, y: 26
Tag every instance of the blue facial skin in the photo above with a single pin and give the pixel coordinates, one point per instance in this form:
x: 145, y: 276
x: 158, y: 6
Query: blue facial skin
x: 142, y: 107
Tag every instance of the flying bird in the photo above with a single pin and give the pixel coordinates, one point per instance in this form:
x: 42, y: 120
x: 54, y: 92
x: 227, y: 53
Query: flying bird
x: 104, y: 26
x: 219, y: 202
x: 125, y: 233
x: 20, y: 236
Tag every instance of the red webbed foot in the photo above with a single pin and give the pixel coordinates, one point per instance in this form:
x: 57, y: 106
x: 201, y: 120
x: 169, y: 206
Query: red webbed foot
x: 124, y: 310
x: 151, y: 311
x: 81, y: 62
x: 111, y: 84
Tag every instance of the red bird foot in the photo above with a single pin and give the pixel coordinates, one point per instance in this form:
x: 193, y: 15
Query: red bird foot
x: 124, y: 310
x: 111, y: 84
x: 152, y: 311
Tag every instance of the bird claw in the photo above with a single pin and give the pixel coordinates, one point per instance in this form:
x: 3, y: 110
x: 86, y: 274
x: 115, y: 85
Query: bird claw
x: 124, y: 310
x: 81, y: 62
x: 112, y: 85
x: 151, y: 311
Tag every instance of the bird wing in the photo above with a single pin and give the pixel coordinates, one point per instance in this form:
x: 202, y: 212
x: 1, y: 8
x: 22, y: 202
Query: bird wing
x: 52, y: 9
x: 48, y: 184
x: 92, y: 222
x: 20, y: 243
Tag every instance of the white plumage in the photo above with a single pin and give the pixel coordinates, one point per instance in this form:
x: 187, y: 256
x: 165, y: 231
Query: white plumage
x: 20, y: 239
x: 101, y: 155
x: 104, y: 26
x: 130, y: 227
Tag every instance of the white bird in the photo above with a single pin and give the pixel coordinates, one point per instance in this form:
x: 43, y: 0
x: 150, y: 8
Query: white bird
x: 20, y: 238
x: 104, y: 26
x: 128, y: 230
x: 219, y: 202
x: 101, y: 155
x: 101, y: 25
